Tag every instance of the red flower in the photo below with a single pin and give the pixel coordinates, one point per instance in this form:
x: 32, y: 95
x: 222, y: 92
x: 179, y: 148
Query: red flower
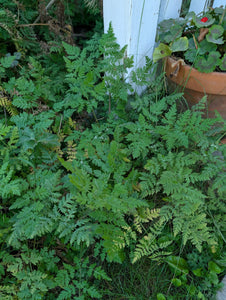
x: 204, y: 20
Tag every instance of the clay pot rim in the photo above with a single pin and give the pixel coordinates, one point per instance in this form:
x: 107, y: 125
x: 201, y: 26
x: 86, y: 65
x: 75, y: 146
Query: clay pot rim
x: 207, y: 83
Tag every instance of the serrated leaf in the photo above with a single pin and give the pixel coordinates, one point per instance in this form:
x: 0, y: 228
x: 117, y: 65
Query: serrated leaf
x: 223, y: 63
x: 215, y: 35
x: 171, y: 31
x: 161, y: 51
x: 71, y: 50
x: 180, y: 44
x: 208, y: 65
x: 206, y: 47
x: 190, y: 55
x: 7, y: 61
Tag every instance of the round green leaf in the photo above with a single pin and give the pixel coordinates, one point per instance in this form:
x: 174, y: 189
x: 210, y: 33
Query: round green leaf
x: 207, y: 65
x: 206, y: 47
x: 198, y: 272
x: 223, y: 63
x: 177, y: 282
x: 180, y: 44
x: 170, y: 29
x: 201, y: 296
x: 213, y: 267
x: 215, y: 34
x: 200, y: 24
x: 161, y: 51
x: 190, y: 55
x: 160, y: 296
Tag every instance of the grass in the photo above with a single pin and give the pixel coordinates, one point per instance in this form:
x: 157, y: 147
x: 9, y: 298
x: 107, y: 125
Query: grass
x: 140, y: 281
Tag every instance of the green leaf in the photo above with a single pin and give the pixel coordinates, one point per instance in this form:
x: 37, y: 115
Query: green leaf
x: 213, y: 267
x: 71, y: 50
x: 160, y: 296
x: 213, y: 278
x: 208, y: 65
x: 177, y: 282
x: 178, y: 264
x: 198, y: 272
x: 169, y: 30
x: 190, y: 55
x: 223, y: 63
x: 201, y: 296
x: 200, y: 24
x: 206, y: 47
x: 161, y: 51
x: 7, y: 61
x: 192, y: 290
x: 215, y: 35
x: 180, y: 44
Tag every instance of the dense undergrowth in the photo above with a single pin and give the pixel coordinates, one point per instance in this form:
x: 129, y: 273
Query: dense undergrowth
x: 105, y: 193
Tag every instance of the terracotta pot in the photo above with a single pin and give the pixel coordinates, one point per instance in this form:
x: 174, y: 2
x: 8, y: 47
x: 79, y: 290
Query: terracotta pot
x: 195, y: 85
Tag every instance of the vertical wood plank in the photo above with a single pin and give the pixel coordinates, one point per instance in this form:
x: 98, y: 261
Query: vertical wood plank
x: 144, y: 21
x: 218, y: 3
x: 134, y: 24
x: 118, y: 13
x: 199, y: 6
x: 169, y: 9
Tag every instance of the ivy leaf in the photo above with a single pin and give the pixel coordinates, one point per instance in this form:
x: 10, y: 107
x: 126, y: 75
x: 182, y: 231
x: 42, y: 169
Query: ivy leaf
x: 161, y: 51
x: 208, y: 65
x: 223, y: 63
x: 180, y: 44
x: 204, y: 21
x: 215, y: 35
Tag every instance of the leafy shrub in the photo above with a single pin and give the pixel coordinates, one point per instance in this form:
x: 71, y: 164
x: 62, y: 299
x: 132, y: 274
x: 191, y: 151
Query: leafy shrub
x: 91, y: 173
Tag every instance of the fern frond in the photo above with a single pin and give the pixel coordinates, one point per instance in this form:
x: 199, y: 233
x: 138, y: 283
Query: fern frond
x: 71, y: 151
x: 144, y: 215
x: 7, y: 104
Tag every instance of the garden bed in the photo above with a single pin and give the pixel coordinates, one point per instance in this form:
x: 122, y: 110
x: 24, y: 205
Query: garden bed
x: 105, y: 194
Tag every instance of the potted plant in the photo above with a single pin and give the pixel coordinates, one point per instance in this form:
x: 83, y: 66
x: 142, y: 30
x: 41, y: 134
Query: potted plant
x: 194, y: 52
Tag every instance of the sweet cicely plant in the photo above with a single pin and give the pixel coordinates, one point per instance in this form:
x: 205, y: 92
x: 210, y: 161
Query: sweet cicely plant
x: 198, y: 39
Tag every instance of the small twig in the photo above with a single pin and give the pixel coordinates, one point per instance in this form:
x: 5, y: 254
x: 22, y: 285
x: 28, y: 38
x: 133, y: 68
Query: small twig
x: 109, y: 104
x: 222, y: 17
x: 196, y: 46
x: 46, y: 8
x: 33, y: 24
x: 61, y: 119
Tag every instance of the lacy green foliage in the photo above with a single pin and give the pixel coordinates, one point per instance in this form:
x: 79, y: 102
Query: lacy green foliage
x: 141, y: 178
x: 35, y: 208
x: 87, y: 89
x: 178, y: 165
x: 49, y: 282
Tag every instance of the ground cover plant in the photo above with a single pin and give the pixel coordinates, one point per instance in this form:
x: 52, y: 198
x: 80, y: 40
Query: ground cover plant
x: 102, y: 187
